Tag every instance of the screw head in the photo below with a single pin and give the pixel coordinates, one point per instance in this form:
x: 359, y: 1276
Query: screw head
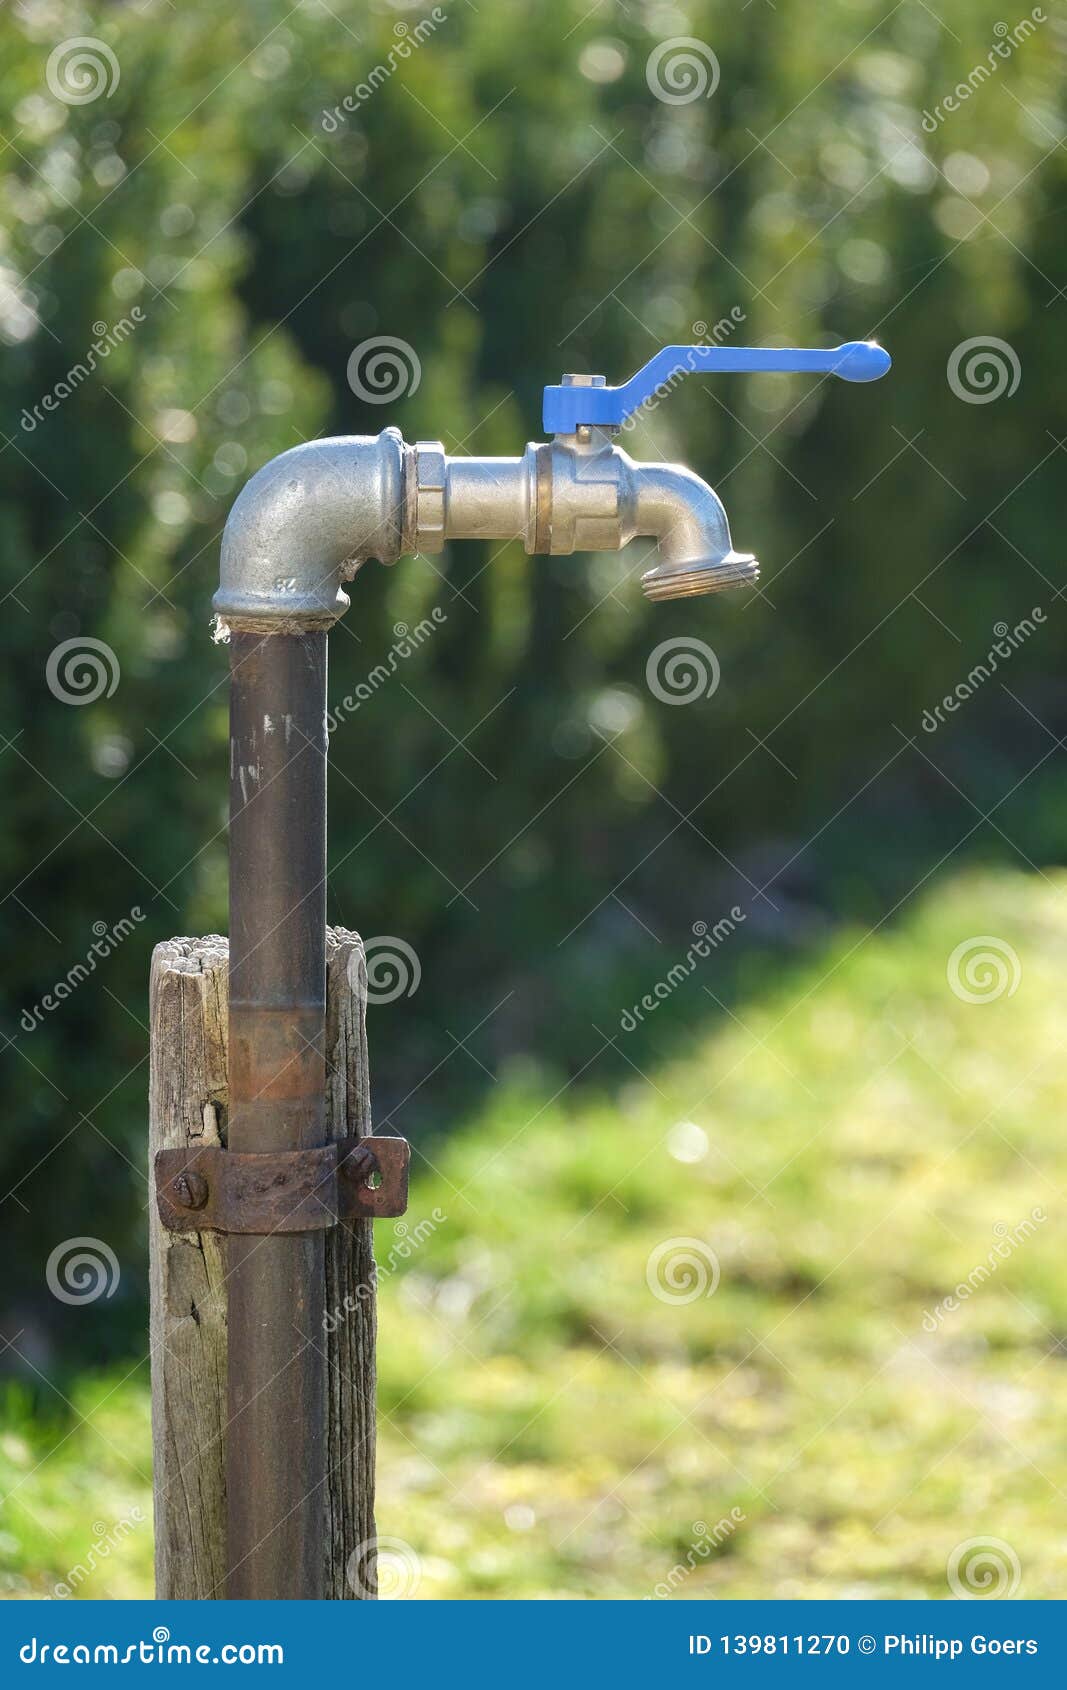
x: 190, y: 1190
x: 359, y: 1163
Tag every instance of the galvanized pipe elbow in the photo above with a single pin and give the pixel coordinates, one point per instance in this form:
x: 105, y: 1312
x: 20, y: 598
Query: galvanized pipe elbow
x: 303, y: 524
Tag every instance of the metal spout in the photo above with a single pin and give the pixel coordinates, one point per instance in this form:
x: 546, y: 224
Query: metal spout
x: 696, y: 553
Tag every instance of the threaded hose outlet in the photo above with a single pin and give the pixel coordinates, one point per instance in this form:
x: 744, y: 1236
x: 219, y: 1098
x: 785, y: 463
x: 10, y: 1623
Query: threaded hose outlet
x: 700, y: 575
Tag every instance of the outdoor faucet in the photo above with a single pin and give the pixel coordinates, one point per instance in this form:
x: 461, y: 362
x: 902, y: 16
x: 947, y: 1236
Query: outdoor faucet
x: 301, y: 527
x: 307, y: 521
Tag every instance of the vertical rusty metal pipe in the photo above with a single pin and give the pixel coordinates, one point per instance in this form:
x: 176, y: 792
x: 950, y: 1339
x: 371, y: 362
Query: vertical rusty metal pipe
x: 275, y: 1463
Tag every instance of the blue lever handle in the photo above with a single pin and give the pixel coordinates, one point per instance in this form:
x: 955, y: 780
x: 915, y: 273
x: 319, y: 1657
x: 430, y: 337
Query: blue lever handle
x: 573, y: 404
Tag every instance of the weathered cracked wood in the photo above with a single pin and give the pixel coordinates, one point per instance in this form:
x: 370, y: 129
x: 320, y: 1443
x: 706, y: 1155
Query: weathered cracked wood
x: 188, y: 1098
x: 351, y: 1303
x: 187, y: 1104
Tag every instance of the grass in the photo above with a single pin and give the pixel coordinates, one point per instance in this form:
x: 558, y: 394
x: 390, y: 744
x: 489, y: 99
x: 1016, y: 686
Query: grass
x: 851, y: 1147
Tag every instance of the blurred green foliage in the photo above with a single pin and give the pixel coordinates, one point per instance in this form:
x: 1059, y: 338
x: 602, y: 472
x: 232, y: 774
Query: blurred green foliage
x: 513, y: 201
x: 853, y: 1147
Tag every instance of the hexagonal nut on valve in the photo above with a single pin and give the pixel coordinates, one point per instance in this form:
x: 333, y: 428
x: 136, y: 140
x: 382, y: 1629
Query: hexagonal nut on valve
x: 431, y: 472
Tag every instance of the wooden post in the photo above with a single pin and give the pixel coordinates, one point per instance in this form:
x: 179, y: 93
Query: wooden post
x: 188, y: 1107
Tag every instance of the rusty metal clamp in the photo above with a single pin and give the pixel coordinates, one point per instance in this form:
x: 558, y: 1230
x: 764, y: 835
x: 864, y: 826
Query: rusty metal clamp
x: 217, y: 1190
